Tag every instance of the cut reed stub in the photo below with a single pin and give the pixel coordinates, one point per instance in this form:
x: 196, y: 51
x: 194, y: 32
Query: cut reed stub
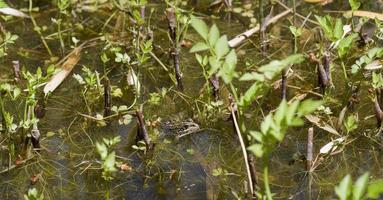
x: 107, y: 98
x: 323, y: 73
x: 16, y: 70
x: 35, y: 138
x: 310, y: 145
x: 142, y: 132
x: 378, y: 112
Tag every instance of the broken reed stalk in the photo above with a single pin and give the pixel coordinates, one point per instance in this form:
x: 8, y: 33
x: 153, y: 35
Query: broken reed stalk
x: 244, y: 151
x: 172, y: 25
x: 143, y: 133
x: 107, y: 98
x: 378, y: 110
x: 326, y: 60
x: 16, y: 70
x: 35, y: 137
x: 237, y: 40
x: 323, y: 79
x: 310, y: 145
x: 284, y: 83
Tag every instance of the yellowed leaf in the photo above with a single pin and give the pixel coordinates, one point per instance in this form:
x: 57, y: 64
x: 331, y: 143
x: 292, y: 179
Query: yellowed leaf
x: 320, y: 124
x: 362, y: 13
x: 322, y: 2
x: 70, y: 61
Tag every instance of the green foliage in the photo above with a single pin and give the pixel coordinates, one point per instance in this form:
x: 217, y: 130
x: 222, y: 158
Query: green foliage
x: 377, y: 80
x: 221, y: 60
x: 366, y: 59
x: 360, y: 190
x: 333, y: 28
x: 33, y: 194
x: 345, y: 44
x: 6, y: 40
x: 275, y: 125
x: 296, y: 31
x: 264, y: 75
x: 355, y: 4
x: 351, y: 123
x: 108, y: 157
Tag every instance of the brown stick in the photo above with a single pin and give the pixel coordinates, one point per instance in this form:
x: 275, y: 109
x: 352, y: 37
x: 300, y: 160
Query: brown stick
x: 378, y: 112
x: 16, y: 70
x: 284, y: 83
x: 326, y: 60
x: 310, y: 138
x: 172, y: 24
x: 107, y: 98
x: 323, y: 80
x: 243, y: 36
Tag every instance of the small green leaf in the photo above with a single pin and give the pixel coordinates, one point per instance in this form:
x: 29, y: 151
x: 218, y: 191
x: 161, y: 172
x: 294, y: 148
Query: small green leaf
x: 375, y: 189
x: 221, y: 47
x: 200, y: 26
x: 200, y: 46
x: 360, y: 187
x: 213, y: 35
x: 355, y: 4
x: 338, y: 29
x: 344, y: 189
x: 308, y: 106
x: 256, y: 149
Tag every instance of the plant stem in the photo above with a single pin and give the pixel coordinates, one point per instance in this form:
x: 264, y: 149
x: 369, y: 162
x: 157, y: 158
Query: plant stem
x: 243, y: 147
x: 266, y: 181
x: 344, y: 69
x: 37, y: 29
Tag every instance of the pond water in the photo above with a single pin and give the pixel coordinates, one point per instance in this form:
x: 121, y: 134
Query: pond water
x: 203, y: 165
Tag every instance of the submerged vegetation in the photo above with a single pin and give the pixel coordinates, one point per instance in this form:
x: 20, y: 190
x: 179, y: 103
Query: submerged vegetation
x: 225, y: 99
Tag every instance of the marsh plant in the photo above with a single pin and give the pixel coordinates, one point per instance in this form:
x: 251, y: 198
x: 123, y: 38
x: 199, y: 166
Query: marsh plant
x: 108, y: 156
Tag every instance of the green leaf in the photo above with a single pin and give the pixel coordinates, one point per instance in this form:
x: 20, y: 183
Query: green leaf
x: 227, y: 72
x: 351, y: 123
x: 109, y: 163
x: 295, y: 31
x: 252, y: 76
x: 201, y: 27
x: 326, y: 25
x: 343, y: 190
x: 360, y: 187
x: 308, y: 106
x: 375, y: 189
x: 291, y: 111
x: 345, y: 44
x: 280, y: 113
x: 256, y: 149
x: 213, y: 35
x: 221, y: 47
x: 338, y: 29
x: 200, y: 46
x: 252, y: 93
x: 3, y: 4
x: 275, y: 67
x: 102, y: 150
x: 355, y: 4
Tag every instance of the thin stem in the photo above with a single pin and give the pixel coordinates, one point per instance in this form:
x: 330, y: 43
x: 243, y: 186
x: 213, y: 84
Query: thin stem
x: 344, y: 69
x: 243, y: 147
x: 266, y: 181
x: 37, y: 29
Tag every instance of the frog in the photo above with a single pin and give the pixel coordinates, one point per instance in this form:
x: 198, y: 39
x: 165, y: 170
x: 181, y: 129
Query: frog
x: 179, y: 129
